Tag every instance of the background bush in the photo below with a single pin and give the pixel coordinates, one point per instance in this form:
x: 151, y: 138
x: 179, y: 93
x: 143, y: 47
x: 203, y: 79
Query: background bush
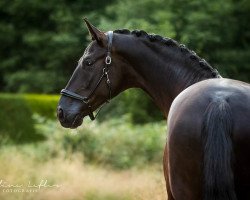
x: 44, y: 105
x: 135, y: 103
x: 115, y: 143
x: 17, y: 115
x: 16, y: 124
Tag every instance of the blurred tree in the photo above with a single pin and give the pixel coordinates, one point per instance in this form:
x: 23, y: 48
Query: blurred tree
x: 42, y: 38
x: 41, y: 42
x: 218, y: 31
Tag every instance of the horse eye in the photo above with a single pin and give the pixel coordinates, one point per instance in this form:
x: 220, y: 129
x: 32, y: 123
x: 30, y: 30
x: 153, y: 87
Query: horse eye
x: 88, y: 62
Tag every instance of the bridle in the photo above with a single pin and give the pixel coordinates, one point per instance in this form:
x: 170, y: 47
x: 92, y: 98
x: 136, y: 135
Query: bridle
x: 105, y: 70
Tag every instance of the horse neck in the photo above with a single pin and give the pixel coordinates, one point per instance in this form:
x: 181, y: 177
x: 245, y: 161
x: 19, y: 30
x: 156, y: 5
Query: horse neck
x: 162, y: 72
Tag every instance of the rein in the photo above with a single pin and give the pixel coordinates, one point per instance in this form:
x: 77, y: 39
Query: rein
x: 105, y: 71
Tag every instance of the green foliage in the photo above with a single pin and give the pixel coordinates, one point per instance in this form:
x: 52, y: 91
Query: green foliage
x: 17, y: 115
x: 119, y: 145
x: 44, y: 105
x: 116, y: 143
x: 214, y: 28
x: 152, y: 16
x: 16, y: 124
x: 32, y: 81
x: 134, y: 103
x: 41, y: 42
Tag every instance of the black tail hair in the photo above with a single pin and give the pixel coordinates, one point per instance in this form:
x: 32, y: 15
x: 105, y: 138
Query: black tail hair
x: 217, y: 127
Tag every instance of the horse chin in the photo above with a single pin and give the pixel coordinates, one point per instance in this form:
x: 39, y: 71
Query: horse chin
x: 73, y: 124
x: 77, y: 121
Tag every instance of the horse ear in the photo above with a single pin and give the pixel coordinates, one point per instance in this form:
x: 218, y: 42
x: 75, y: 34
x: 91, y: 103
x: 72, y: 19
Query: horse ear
x: 95, y: 33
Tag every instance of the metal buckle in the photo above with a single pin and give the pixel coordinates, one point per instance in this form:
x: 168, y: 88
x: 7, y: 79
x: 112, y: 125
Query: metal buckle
x: 108, y: 60
x: 85, y: 100
x: 107, y: 77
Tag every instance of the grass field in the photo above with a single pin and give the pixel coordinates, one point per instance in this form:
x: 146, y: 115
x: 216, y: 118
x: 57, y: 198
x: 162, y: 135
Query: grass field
x: 75, y: 180
x: 113, y: 160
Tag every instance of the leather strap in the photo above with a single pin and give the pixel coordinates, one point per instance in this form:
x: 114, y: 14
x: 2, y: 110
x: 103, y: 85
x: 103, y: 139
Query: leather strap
x: 73, y: 95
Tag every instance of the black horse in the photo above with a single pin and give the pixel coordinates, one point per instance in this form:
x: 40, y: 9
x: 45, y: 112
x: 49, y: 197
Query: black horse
x: 207, y: 151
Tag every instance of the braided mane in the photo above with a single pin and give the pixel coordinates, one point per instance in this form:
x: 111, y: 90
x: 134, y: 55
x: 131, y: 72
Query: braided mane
x: 172, y: 43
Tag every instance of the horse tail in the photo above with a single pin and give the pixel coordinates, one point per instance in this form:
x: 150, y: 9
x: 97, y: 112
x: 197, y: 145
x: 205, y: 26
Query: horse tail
x: 217, y: 127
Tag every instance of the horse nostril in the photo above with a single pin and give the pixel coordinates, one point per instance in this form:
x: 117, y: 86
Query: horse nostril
x: 60, y: 114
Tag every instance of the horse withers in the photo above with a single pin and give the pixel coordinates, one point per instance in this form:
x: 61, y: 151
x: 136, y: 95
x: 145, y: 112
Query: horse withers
x: 206, y: 155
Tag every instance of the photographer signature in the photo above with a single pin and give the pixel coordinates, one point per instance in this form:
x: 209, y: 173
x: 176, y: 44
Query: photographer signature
x: 39, y: 185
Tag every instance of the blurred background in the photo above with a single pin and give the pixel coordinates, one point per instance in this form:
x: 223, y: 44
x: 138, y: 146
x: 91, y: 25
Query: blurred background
x: 119, y: 156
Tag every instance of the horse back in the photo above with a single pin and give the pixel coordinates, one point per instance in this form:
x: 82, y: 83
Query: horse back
x: 185, y: 133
